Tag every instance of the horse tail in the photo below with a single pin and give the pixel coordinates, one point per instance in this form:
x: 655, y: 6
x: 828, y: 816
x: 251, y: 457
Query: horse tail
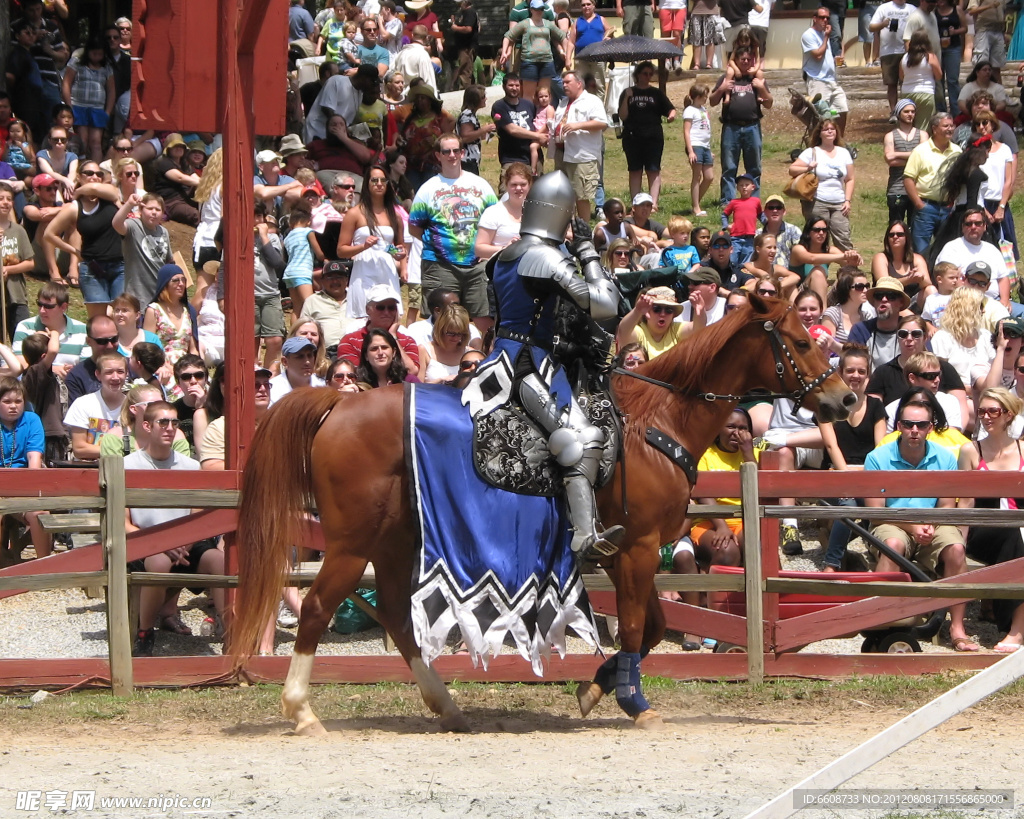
x: 277, y: 489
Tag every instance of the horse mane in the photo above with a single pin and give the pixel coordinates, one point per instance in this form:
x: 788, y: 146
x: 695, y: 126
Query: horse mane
x: 688, y: 365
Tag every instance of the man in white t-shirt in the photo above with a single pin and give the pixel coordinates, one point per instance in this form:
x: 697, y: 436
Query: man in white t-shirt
x: 889, y: 21
x: 157, y: 604
x: 970, y: 248
x: 98, y: 412
x: 820, y: 66
x: 704, y: 285
x: 580, y: 122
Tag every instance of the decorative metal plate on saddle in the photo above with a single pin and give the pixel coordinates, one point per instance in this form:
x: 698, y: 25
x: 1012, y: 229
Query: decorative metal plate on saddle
x: 510, y: 451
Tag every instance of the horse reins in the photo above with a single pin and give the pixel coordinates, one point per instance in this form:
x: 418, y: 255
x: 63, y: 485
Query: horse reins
x: 779, y: 350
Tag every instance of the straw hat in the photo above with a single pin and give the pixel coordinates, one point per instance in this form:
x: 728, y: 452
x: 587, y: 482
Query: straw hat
x: 666, y: 297
x: 291, y: 144
x: 892, y: 286
x: 418, y: 5
x: 173, y: 141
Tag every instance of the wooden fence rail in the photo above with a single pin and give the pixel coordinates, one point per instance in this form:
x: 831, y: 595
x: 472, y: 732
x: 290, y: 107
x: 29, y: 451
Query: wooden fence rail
x: 768, y: 638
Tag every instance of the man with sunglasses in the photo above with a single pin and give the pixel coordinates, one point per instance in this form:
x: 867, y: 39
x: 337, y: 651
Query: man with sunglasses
x: 383, y: 312
x: 879, y: 334
x: 371, y: 52
x: 786, y: 234
x: 328, y: 306
x: 821, y: 45
x: 192, y: 379
x: 720, y: 260
x: 445, y: 215
x: 160, y: 424
x: 971, y: 248
x: 926, y: 544
x: 924, y: 370
x: 101, y: 337
x: 52, y: 302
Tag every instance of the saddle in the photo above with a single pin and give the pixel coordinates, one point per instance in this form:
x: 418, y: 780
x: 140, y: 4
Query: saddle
x: 511, y: 452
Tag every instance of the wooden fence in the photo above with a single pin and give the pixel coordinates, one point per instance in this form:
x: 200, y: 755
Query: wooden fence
x: 108, y: 491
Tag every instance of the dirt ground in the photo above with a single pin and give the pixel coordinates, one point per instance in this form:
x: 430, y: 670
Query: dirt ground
x: 537, y: 758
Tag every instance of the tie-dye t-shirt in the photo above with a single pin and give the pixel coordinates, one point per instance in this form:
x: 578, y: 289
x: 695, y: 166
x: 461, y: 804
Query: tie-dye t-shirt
x: 448, y: 211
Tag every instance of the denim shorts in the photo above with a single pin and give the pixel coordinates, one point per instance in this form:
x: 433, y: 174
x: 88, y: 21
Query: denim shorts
x: 103, y: 288
x: 90, y: 117
x: 703, y: 155
x: 537, y: 71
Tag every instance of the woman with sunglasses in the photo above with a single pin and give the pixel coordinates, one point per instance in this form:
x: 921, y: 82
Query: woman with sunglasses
x: 58, y: 161
x: 100, y: 273
x: 998, y: 451
x: 651, y: 323
x: 373, y: 235
x: 962, y: 338
x: 898, y: 260
x: 441, y: 356
x: 999, y: 168
x: 889, y: 381
x: 341, y: 376
x: 172, y: 318
x: 127, y: 178
x: 619, y: 257
x: 762, y: 265
x: 851, y: 304
x: 811, y: 256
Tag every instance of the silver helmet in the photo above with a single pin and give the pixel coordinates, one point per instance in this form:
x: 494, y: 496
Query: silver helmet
x: 549, y: 207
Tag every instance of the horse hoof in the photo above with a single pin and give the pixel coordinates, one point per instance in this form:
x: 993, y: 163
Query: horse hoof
x: 311, y: 729
x: 649, y: 720
x: 455, y: 724
x: 589, y: 694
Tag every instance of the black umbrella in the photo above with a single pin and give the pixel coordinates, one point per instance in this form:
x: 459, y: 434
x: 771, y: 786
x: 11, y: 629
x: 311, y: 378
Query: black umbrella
x: 629, y: 48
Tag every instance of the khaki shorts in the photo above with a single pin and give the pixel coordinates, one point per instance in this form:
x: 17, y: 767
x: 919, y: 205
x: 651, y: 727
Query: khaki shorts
x: 269, y: 317
x: 927, y: 557
x: 830, y: 92
x: 584, y: 177
x: 412, y: 296
x: 469, y: 282
x: 891, y: 68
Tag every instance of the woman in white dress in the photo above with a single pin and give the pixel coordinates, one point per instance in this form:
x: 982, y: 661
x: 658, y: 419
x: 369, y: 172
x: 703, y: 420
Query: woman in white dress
x: 440, y: 357
x: 372, y: 235
x: 499, y: 224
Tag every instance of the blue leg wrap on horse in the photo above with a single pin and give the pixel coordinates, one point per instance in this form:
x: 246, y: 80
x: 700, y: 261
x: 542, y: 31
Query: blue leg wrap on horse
x: 628, y: 693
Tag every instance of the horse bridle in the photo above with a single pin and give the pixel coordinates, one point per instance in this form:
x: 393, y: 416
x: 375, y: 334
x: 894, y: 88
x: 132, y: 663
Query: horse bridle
x: 780, y: 350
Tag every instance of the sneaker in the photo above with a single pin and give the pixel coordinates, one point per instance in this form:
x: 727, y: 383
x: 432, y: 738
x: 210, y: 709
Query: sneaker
x: 285, y: 618
x: 791, y: 544
x: 145, y: 641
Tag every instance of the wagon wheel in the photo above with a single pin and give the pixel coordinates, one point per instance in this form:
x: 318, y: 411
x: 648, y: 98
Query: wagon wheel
x: 869, y: 645
x: 730, y: 648
x: 898, y: 642
x: 794, y: 155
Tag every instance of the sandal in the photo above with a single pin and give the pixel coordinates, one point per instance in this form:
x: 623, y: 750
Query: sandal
x: 173, y: 622
x: 1006, y: 648
x: 965, y: 644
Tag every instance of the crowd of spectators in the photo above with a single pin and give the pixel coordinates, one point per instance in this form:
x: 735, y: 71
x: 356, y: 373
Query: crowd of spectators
x: 375, y: 216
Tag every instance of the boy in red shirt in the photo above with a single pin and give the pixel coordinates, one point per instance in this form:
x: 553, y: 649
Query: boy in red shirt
x: 746, y: 214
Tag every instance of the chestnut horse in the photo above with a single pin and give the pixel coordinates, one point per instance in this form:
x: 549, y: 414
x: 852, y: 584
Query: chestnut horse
x: 351, y: 463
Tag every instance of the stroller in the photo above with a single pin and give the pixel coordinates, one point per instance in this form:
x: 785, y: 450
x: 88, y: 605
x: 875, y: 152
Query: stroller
x: 810, y: 111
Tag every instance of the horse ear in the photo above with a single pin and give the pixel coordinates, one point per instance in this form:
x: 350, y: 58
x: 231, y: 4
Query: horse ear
x: 758, y: 303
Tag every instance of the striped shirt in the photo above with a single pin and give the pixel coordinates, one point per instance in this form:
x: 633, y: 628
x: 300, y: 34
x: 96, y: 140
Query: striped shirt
x: 72, y: 340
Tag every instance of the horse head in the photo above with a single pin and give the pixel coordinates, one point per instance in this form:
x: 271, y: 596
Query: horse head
x: 796, y: 364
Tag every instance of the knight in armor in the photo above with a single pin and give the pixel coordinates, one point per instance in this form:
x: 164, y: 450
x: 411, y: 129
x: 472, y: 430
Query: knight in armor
x: 529, y: 276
